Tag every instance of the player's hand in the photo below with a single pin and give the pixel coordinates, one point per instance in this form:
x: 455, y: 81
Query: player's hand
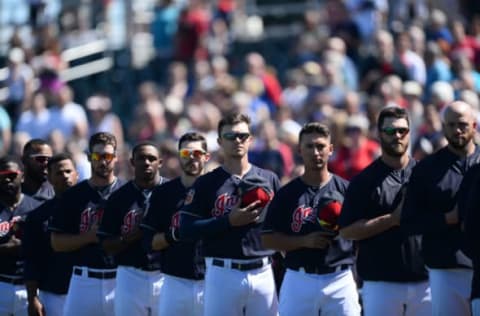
x: 35, y: 307
x: 321, y: 239
x: 246, y: 215
x: 133, y: 236
x: 14, y: 241
x: 91, y: 234
x: 451, y: 217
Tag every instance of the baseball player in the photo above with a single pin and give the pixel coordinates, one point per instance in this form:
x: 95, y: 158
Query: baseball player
x: 35, y: 156
x: 230, y: 231
x: 181, y: 263
x: 395, y: 281
x: 430, y: 210
x: 301, y: 221
x: 47, y: 273
x: 120, y: 236
x: 14, y: 206
x: 74, y: 227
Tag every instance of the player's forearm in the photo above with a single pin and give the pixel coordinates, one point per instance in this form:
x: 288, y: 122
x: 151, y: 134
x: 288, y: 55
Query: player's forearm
x: 68, y: 242
x: 193, y: 228
x: 363, y: 229
x: 11, y: 247
x: 32, y: 289
x: 282, y: 242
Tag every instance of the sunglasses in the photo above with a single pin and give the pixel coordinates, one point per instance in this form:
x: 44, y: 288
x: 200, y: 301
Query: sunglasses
x: 41, y: 158
x: 390, y: 131
x: 187, y: 153
x: 108, y: 157
x: 233, y: 136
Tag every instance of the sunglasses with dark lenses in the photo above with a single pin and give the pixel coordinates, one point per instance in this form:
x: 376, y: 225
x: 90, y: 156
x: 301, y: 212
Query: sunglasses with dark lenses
x: 390, y: 131
x: 40, y: 158
x: 187, y: 153
x: 108, y: 157
x: 233, y: 136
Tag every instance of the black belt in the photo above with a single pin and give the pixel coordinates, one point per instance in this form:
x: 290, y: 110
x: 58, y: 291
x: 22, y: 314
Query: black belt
x: 12, y: 280
x: 149, y: 268
x: 96, y: 274
x: 252, y: 265
x: 322, y: 270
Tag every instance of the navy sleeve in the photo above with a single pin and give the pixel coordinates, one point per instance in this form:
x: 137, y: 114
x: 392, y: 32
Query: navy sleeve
x: 194, y: 220
x: 31, y: 250
x: 467, y: 186
x: 417, y: 216
x: 353, y: 207
x: 63, y: 219
x: 472, y: 218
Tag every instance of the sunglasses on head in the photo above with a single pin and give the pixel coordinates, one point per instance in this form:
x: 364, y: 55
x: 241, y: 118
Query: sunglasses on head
x: 390, y: 131
x: 41, y: 158
x: 10, y: 173
x: 108, y: 157
x: 187, y: 153
x: 233, y: 136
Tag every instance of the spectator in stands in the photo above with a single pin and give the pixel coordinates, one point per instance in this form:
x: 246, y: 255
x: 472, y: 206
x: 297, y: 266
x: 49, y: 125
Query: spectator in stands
x: 357, y: 150
x: 38, y: 121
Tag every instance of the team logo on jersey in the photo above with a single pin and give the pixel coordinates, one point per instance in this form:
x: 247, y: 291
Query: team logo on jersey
x: 175, y: 223
x: 89, y: 217
x: 131, y: 220
x: 223, y: 204
x: 189, y: 197
x: 300, y: 215
x: 13, y: 225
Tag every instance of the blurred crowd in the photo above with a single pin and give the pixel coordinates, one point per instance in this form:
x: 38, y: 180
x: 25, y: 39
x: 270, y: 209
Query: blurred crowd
x: 352, y: 58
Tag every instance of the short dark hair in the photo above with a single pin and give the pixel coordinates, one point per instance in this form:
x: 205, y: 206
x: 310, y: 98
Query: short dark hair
x: 192, y: 137
x: 8, y: 159
x: 392, y: 112
x: 33, y: 143
x: 59, y: 157
x: 314, y: 127
x: 103, y: 138
x: 233, y: 119
x: 144, y: 144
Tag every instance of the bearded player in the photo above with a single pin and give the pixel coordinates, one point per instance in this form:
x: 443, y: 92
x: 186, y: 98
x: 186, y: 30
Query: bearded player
x: 395, y: 281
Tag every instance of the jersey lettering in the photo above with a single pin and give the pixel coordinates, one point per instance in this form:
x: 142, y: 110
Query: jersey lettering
x: 300, y: 215
x: 90, y: 217
x: 4, y: 228
x: 131, y: 220
x: 175, y: 223
x: 223, y: 204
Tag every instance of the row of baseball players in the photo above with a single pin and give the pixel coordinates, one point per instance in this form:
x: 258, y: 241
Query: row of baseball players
x: 215, y: 256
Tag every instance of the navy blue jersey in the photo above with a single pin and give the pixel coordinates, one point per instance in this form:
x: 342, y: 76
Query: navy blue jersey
x: 81, y: 207
x: 212, y: 197
x: 45, y: 192
x: 295, y: 211
x: 470, y: 215
x: 123, y: 214
x: 52, y: 270
x: 12, y: 222
x: 391, y: 255
x: 431, y: 193
x: 181, y: 259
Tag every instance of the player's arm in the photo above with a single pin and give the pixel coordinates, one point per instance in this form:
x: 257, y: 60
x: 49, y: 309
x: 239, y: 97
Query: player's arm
x: 35, y: 306
x: 11, y: 247
x: 366, y: 228
x: 283, y: 242
x: 62, y: 242
x: 115, y: 244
